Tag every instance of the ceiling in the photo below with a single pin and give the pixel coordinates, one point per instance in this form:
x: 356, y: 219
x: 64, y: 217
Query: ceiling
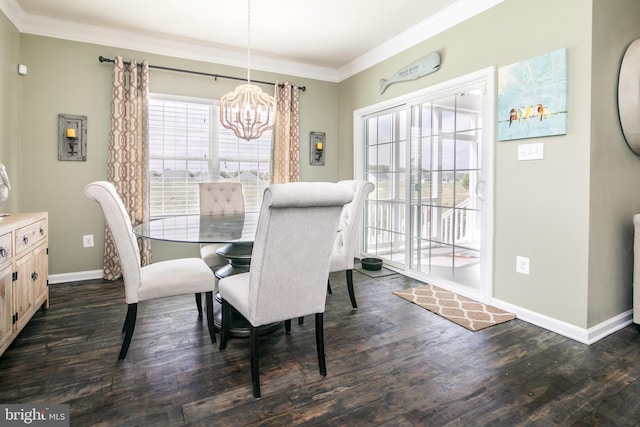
x: 324, y: 39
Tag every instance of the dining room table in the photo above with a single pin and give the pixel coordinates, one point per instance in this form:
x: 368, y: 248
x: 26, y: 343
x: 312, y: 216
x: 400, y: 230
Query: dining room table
x: 222, y: 228
x: 235, y: 231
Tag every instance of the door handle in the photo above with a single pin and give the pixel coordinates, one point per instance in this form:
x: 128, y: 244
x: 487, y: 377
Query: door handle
x: 480, y: 190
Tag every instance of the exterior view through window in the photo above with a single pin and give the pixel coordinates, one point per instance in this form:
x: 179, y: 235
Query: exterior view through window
x: 425, y: 157
x: 187, y: 145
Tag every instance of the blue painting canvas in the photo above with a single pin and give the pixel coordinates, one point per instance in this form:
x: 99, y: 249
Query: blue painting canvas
x: 532, y: 97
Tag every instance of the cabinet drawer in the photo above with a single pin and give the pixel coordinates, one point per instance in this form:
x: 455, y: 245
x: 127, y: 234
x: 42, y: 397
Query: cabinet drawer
x: 29, y: 236
x: 6, y: 249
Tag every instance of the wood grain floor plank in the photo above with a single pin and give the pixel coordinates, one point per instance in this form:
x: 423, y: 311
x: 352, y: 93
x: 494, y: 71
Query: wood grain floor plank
x: 389, y: 363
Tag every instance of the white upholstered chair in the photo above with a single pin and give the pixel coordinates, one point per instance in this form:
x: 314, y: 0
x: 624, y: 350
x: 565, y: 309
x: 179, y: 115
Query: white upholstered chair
x: 218, y: 198
x: 289, y: 264
x: 346, y: 243
x: 157, y: 280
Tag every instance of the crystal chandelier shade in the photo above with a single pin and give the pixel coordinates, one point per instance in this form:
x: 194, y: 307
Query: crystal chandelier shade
x: 247, y: 111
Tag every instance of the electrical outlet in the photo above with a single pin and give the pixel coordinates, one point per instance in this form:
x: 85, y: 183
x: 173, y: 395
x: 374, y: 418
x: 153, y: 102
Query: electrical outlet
x: 87, y: 240
x: 522, y: 265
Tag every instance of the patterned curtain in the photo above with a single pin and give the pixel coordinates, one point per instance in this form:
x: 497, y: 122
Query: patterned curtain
x: 128, y: 153
x: 285, y: 155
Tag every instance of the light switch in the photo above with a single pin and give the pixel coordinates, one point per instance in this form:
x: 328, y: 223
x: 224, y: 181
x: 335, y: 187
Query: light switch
x: 531, y: 151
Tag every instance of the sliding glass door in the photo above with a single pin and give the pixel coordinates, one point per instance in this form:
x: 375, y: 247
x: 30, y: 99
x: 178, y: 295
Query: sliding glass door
x: 386, y: 154
x: 428, y: 213
x: 446, y: 171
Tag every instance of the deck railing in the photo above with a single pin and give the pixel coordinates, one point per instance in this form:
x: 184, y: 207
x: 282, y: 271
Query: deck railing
x: 455, y: 224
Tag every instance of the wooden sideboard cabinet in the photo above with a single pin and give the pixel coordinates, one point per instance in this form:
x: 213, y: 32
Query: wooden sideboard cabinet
x: 24, y: 271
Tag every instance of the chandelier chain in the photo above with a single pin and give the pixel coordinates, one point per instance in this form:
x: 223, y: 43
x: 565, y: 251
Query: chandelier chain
x: 248, y: 111
x: 249, y: 41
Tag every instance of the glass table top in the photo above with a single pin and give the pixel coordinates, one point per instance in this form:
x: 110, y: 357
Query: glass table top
x: 236, y: 228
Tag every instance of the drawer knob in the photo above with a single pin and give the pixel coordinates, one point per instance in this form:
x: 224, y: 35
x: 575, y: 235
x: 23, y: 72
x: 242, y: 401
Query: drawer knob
x: 34, y: 276
x: 25, y: 240
x: 41, y: 231
x: 3, y: 252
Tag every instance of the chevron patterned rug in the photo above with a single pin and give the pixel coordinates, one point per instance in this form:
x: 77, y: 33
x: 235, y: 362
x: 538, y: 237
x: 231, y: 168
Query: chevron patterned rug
x: 463, y: 311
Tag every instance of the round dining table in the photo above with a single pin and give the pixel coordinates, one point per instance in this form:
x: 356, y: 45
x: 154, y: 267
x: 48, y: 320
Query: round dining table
x: 237, y: 233
x: 225, y: 228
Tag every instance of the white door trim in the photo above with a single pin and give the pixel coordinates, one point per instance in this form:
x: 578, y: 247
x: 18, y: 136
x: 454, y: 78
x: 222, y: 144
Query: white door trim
x: 488, y: 77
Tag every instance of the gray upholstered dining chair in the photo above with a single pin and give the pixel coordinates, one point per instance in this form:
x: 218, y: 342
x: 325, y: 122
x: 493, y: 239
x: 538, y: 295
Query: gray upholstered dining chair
x: 156, y: 280
x: 346, y: 243
x: 289, y: 264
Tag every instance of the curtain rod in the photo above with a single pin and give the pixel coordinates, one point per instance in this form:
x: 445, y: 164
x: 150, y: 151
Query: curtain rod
x: 216, y: 76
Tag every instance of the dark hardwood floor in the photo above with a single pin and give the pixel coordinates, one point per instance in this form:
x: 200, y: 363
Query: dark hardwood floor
x: 390, y: 363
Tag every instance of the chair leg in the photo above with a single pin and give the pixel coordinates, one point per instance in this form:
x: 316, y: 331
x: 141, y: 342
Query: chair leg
x: 287, y: 326
x: 352, y: 294
x: 320, y: 343
x: 199, y: 303
x: 255, y: 368
x: 129, y: 326
x: 212, y: 329
x: 225, y: 328
x: 329, y: 287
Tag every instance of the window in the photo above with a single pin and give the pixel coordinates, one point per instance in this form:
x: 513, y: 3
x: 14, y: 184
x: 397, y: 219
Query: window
x: 187, y: 145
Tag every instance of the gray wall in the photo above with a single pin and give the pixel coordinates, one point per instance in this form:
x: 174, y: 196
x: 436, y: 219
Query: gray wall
x: 615, y: 170
x: 9, y: 108
x: 66, y: 77
x: 571, y: 212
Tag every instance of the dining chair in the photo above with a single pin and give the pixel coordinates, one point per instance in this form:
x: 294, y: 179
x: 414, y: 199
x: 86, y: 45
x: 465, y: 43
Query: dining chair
x: 156, y: 280
x: 289, y: 264
x: 217, y: 198
x: 346, y: 241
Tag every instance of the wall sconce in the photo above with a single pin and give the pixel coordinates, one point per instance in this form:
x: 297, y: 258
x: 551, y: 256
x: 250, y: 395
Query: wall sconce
x: 316, y: 148
x: 72, y: 137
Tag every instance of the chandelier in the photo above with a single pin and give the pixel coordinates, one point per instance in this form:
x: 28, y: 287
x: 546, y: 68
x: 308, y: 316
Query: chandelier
x: 247, y: 111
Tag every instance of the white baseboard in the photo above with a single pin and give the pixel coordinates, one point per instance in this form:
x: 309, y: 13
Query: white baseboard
x: 75, y: 277
x: 601, y: 330
x: 585, y: 336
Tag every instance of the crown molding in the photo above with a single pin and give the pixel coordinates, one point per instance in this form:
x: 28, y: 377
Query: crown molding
x: 449, y: 17
x: 49, y: 27
x: 13, y: 11
x: 56, y: 28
